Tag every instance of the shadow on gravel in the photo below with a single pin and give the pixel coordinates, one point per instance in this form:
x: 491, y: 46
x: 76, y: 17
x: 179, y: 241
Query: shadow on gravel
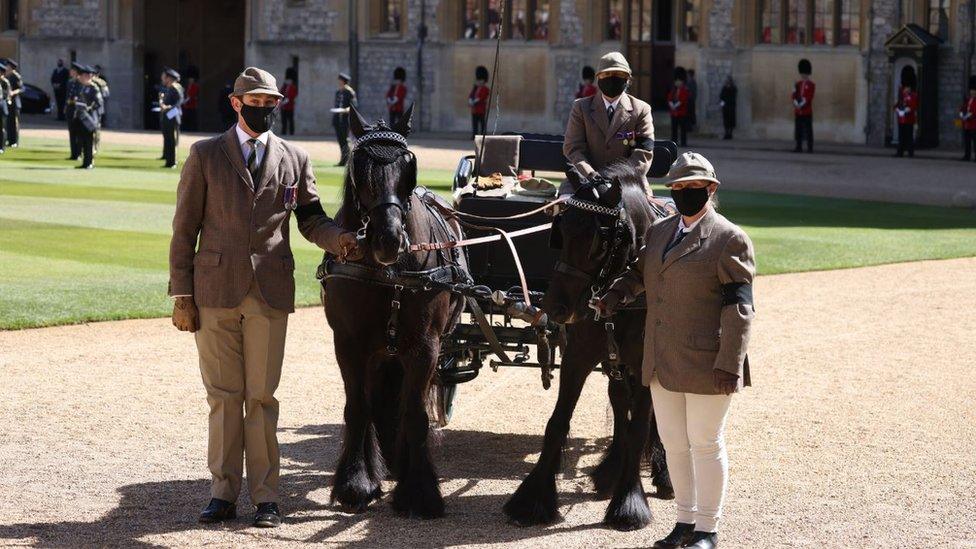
x: 158, y: 508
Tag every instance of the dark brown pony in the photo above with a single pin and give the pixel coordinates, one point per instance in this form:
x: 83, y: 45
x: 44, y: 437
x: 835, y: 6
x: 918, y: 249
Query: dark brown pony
x: 603, y: 242
x: 388, y: 376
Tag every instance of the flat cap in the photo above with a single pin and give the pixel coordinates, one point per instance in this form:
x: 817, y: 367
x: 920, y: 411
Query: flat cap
x: 171, y: 73
x: 613, y: 61
x: 691, y: 166
x: 255, y: 80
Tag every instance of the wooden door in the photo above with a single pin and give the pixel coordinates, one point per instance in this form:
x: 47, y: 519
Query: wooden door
x: 650, y: 49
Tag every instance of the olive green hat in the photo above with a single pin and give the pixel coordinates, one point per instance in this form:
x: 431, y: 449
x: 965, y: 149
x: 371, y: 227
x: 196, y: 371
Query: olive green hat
x: 255, y: 80
x: 691, y: 166
x: 613, y: 61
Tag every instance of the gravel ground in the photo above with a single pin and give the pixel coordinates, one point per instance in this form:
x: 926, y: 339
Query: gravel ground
x: 855, y: 435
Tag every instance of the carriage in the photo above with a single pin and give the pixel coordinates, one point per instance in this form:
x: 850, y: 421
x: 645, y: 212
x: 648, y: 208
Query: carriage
x: 504, y: 323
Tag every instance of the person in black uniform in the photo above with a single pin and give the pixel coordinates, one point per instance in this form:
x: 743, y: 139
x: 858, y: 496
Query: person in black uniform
x: 727, y: 98
x: 4, y: 106
x: 170, y: 100
x: 345, y: 98
x: 74, y: 140
x: 13, y: 118
x: 59, y: 83
x: 87, y: 111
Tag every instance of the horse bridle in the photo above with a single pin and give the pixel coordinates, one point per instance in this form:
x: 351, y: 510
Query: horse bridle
x: 373, y: 143
x: 619, y: 238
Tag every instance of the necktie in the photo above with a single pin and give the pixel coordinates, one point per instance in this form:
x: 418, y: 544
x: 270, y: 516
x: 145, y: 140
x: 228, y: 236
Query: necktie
x: 610, y: 113
x: 674, y: 243
x: 252, y: 160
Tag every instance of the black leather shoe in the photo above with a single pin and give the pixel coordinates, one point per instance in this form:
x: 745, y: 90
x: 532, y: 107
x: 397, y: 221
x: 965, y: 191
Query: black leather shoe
x: 267, y: 516
x: 703, y: 540
x: 218, y: 510
x: 677, y: 538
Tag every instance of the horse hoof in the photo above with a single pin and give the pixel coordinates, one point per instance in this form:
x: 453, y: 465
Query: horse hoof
x: 418, y: 500
x: 533, y: 503
x: 628, y: 511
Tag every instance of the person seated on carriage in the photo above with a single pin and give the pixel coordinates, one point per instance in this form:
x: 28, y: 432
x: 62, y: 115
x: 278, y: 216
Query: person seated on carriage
x: 609, y: 126
x: 697, y: 269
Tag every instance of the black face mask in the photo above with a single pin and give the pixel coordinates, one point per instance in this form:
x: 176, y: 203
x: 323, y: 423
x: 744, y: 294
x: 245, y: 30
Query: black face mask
x: 690, y: 201
x: 259, y: 119
x: 612, y: 86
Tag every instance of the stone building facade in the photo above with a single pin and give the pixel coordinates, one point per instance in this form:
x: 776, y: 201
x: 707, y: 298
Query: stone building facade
x: 545, y: 44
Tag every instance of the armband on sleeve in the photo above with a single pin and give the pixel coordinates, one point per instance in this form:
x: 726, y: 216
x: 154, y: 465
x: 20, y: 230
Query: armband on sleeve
x: 736, y: 293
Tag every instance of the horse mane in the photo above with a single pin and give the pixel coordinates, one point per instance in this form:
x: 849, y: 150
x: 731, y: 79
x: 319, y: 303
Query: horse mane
x: 633, y: 197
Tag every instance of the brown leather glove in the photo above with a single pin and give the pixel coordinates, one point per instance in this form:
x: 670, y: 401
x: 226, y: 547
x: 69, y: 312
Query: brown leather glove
x: 349, y: 249
x: 725, y: 382
x: 186, y: 318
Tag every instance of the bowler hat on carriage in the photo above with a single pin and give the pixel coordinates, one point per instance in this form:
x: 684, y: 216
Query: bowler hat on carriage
x: 691, y: 166
x: 588, y: 73
x: 613, y: 61
x: 481, y: 73
x: 255, y: 80
x: 805, y: 67
x: 399, y: 73
x: 172, y: 73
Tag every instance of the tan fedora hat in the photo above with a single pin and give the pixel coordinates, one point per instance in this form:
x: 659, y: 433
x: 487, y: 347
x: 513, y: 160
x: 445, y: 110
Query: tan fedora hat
x: 255, y: 80
x: 691, y: 166
x: 613, y: 61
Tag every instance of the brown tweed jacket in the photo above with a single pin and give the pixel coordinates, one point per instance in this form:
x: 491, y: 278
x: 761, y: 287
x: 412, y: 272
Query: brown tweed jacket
x: 688, y: 331
x: 592, y: 141
x: 242, y: 232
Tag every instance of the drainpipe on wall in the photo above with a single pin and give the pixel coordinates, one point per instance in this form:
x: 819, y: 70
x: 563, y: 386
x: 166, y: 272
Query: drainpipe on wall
x: 868, y: 72
x: 353, y: 43
x: 421, y: 38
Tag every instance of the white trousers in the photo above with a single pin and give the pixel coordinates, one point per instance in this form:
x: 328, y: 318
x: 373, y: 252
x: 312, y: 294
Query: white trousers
x: 692, y: 429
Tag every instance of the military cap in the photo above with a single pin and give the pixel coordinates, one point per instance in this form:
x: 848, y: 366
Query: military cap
x: 2, y: 66
x: 87, y: 69
x: 255, y: 80
x: 804, y: 67
x: 399, y: 73
x: 588, y: 73
x: 345, y: 76
x: 613, y: 61
x: 76, y: 65
x: 172, y: 73
x: 691, y: 166
x: 481, y: 73
x: 11, y: 63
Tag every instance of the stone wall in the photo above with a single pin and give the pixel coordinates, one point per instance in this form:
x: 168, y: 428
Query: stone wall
x: 308, y: 21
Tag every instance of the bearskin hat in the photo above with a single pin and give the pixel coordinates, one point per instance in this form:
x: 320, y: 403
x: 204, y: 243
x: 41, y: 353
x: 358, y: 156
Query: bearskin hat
x: 588, y: 73
x: 680, y: 74
x: 804, y: 67
x: 908, y: 77
x: 481, y: 73
x: 399, y: 73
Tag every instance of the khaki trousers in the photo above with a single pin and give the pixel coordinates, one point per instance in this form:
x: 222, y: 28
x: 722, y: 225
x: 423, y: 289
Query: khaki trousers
x: 241, y: 350
x: 692, y: 430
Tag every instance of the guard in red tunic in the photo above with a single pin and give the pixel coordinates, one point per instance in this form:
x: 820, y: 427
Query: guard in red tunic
x: 586, y: 87
x: 906, y: 110
x: 396, y: 95
x: 678, y: 99
x: 478, y: 101
x: 803, y: 92
x: 290, y: 92
x: 967, y: 113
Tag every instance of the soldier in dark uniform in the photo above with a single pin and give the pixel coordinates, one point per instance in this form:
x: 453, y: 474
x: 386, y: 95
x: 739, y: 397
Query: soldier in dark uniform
x: 345, y: 97
x: 4, y: 105
x: 59, y: 82
x: 87, y: 106
x: 13, y: 117
x: 99, y: 80
x: 170, y: 100
x: 74, y: 140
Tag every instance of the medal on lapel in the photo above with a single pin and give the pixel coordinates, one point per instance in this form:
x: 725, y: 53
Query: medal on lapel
x: 291, y: 196
x: 629, y: 139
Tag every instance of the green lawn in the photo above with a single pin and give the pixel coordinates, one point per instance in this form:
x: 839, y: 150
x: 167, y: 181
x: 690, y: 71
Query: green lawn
x: 79, y: 246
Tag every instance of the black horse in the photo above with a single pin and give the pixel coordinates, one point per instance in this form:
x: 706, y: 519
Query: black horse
x: 606, y: 222
x: 388, y: 322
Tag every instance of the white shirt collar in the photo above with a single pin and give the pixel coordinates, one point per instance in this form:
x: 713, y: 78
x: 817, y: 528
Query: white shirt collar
x: 688, y: 229
x: 242, y: 136
x: 609, y: 104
